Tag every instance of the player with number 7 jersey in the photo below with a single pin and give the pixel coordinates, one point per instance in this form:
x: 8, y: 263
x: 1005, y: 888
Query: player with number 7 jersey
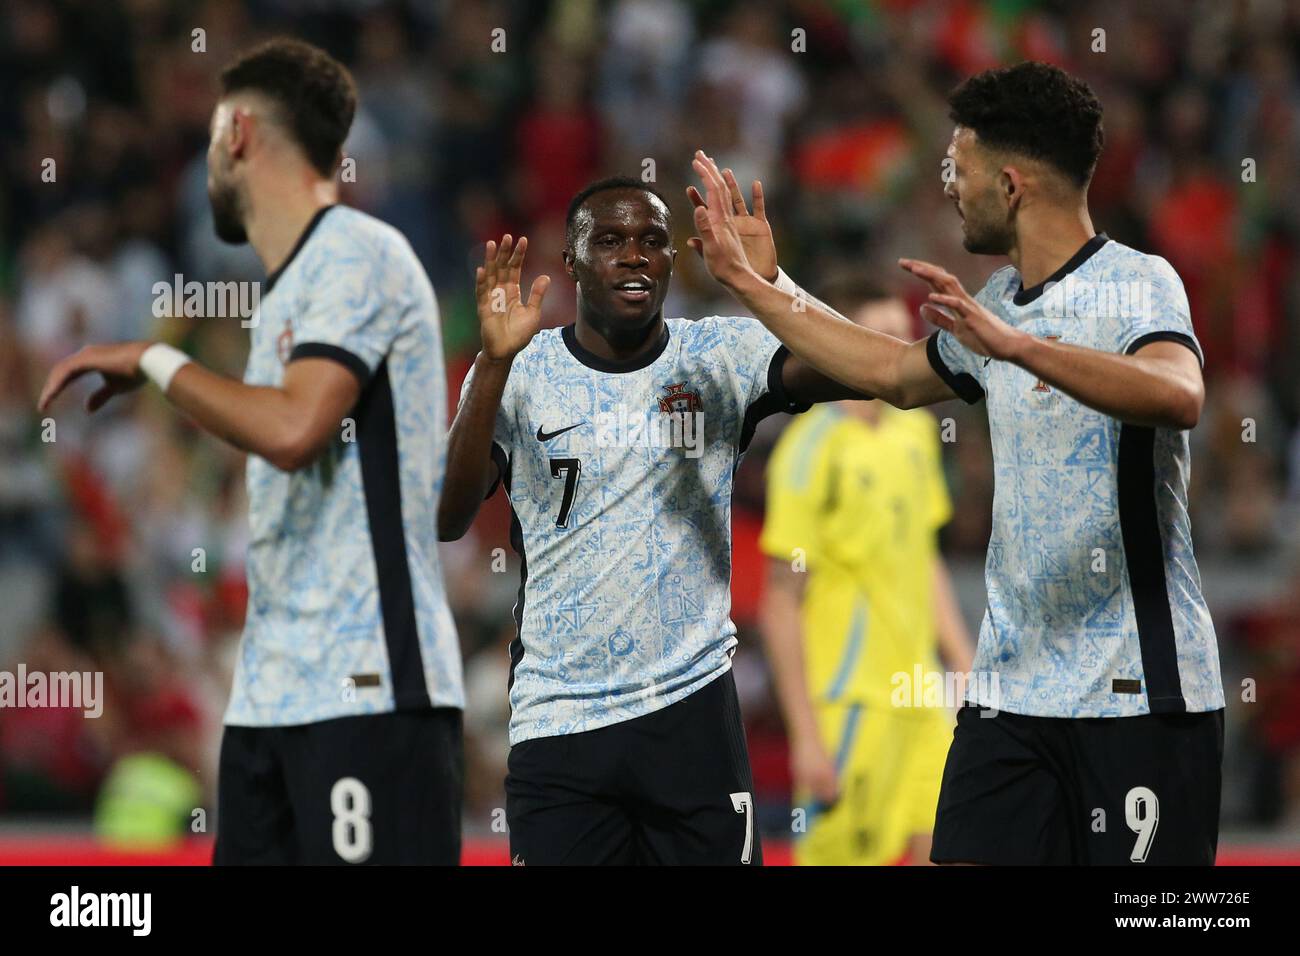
x: 616, y: 439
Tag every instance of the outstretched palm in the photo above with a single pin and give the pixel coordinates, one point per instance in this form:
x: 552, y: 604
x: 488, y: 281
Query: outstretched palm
x: 507, y: 323
x: 955, y: 310
x: 754, y: 230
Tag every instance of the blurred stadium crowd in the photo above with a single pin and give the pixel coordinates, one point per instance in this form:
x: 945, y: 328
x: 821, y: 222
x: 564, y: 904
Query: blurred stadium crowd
x: 456, y: 143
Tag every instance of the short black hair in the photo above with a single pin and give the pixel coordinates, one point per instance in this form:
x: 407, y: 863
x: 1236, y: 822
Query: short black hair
x: 314, y: 92
x: 600, y: 186
x: 1034, y: 109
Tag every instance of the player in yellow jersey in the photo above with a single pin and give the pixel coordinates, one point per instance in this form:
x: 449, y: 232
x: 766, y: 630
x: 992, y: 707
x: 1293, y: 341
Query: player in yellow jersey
x: 858, y: 604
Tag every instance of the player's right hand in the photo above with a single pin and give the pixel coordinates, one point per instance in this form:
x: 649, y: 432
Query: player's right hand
x: 754, y: 230
x: 813, y: 771
x: 506, y: 323
x: 118, y: 363
x: 720, y: 241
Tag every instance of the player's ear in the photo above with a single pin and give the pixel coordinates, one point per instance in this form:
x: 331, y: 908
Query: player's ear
x: 569, y: 270
x: 1011, y: 184
x: 241, y: 132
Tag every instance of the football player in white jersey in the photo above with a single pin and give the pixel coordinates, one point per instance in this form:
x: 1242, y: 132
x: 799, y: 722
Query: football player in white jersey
x: 617, y: 438
x: 1097, y: 693
x: 343, y: 731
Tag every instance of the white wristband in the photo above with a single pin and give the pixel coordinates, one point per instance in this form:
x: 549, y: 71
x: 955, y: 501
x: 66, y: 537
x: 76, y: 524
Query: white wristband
x: 785, y: 283
x: 161, y: 362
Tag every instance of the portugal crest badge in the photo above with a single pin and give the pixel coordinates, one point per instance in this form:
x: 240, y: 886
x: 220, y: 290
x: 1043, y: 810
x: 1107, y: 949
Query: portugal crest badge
x: 679, y: 399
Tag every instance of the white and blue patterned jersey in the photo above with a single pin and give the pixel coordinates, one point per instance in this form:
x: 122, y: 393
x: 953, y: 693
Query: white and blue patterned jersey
x: 1094, y: 599
x: 620, y: 477
x: 346, y: 609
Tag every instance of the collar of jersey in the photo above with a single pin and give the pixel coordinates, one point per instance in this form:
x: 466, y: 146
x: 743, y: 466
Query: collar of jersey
x: 297, y: 246
x: 1024, y: 296
x: 592, y: 360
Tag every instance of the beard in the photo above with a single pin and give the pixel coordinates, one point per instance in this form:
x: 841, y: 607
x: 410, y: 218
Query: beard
x: 987, y: 237
x: 987, y: 241
x: 227, y: 217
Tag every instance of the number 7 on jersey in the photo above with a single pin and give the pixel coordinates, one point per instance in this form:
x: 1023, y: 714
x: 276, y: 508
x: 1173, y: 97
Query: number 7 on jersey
x: 570, y: 469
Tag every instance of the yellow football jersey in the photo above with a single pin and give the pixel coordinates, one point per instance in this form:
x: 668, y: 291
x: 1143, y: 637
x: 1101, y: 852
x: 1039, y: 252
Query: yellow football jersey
x: 857, y: 506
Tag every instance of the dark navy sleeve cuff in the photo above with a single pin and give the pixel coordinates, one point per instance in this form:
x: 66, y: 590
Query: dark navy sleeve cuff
x: 963, y: 384
x: 353, y: 363
x: 1167, y: 335
x: 776, y: 384
x: 774, y: 401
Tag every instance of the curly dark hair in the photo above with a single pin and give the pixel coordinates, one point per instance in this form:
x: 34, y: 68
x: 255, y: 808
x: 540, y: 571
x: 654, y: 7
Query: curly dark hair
x: 600, y: 186
x: 1034, y: 109
x: 314, y: 92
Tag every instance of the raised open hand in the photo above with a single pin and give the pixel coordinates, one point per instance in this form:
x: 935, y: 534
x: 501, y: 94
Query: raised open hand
x: 754, y: 230
x: 507, y: 323
x: 720, y: 241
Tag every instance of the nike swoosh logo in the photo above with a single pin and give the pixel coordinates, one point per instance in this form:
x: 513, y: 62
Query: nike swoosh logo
x: 547, y: 436
x: 986, y: 362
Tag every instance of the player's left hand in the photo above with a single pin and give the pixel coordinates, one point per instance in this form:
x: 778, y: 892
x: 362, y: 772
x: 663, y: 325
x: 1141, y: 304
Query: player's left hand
x: 954, y: 310
x: 119, y: 363
x: 754, y: 230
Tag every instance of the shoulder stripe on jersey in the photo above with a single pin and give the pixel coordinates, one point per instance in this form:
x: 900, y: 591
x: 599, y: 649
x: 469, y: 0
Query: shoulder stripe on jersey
x: 963, y: 384
x: 381, y: 483
x: 274, y: 277
x: 774, y: 400
x: 1144, y: 554
x: 1167, y: 335
x: 352, y: 362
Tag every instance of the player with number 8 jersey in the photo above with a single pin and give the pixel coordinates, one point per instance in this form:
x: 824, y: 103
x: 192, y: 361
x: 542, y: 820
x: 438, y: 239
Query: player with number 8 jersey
x: 616, y: 439
x: 342, y: 740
